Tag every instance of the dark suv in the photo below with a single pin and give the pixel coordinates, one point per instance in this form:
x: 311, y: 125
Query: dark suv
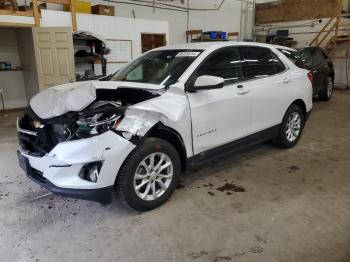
x: 320, y: 66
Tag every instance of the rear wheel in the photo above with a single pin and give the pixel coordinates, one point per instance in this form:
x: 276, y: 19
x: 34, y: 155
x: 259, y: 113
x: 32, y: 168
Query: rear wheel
x: 149, y: 175
x: 327, y: 93
x: 291, y: 127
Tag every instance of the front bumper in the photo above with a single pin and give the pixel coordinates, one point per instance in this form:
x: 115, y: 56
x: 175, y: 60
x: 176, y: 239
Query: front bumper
x: 101, y: 195
x: 58, y: 171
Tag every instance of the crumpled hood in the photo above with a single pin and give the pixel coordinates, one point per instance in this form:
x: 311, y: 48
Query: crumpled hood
x: 74, y: 97
x: 61, y: 99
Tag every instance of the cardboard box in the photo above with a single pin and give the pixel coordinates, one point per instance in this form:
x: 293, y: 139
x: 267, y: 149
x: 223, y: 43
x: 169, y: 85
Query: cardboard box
x: 103, y: 10
x: 80, y: 6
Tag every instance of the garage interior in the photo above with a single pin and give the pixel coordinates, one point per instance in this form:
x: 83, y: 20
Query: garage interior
x: 260, y: 204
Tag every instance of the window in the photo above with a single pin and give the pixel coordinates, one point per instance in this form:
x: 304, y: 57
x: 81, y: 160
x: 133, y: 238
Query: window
x: 260, y: 62
x: 158, y: 67
x: 293, y: 56
x: 225, y: 63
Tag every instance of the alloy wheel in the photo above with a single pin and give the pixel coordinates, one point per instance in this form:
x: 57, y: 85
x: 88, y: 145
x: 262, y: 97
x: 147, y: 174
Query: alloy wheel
x: 330, y: 89
x: 153, y: 176
x: 293, y: 127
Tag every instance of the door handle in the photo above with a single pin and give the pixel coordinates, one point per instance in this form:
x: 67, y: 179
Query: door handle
x: 241, y: 90
x: 286, y: 80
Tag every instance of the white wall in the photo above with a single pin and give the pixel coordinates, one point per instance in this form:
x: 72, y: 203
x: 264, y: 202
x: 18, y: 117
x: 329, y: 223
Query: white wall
x: 11, y: 83
x: 16, y: 19
x: 227, y: 18
x: 303, y: 32
x: 109, y: 27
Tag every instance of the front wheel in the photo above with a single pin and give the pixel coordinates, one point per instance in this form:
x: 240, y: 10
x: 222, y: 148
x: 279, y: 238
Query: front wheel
x: 291, y: 127
x: 326, y: 93
x: 149, y: 175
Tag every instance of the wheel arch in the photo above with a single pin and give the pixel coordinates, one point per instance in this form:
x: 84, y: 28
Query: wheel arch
x: 170, y: 135
x: 301, y: 103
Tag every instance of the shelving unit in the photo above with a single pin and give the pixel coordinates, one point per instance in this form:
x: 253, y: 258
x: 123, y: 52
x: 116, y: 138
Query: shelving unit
x: 89, y: 51
x: 193, y: 36
x: 35, y: 13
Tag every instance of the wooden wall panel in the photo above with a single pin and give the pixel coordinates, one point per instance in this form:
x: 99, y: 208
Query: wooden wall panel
x: 294, y: 10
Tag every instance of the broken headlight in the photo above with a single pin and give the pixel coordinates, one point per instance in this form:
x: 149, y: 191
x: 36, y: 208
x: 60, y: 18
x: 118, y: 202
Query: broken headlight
x: 99, y: 124
x: 99, y: 118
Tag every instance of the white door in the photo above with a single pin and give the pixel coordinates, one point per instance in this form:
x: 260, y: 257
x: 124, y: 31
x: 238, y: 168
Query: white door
x: 268, y: 82
x: 54, y: 55
x: 220, y: 116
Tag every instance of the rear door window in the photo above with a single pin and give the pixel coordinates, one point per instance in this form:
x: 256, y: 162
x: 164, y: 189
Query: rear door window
x: 260, y: 62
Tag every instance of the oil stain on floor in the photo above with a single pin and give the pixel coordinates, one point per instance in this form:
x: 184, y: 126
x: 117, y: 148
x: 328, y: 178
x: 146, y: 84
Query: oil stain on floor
x: 230, y: 187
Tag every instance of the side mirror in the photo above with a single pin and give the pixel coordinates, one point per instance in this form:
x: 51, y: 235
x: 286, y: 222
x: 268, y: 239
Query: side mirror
x: 206, y: 82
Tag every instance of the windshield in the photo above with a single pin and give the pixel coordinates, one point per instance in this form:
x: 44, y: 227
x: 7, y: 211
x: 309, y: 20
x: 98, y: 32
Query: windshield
x: 158, y: 67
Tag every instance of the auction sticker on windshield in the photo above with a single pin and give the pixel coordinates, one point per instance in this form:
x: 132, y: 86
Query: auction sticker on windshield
x: 188, y: 54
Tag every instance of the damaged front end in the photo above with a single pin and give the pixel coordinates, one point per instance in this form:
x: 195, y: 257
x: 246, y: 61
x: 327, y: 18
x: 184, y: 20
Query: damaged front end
x: 38, y: 136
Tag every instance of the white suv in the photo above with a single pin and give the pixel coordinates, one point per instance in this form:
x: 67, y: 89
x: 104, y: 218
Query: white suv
x: 133, y: 133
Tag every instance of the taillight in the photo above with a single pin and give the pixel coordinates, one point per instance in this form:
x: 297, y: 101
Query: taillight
x: 311, y: 77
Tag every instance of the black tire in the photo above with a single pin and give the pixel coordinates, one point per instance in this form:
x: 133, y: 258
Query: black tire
x: 327, y: 92
x: 281, y: 140
x: 125, y: 180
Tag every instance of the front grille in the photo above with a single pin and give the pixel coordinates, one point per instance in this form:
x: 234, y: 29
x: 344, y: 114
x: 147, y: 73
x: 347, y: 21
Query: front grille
x: 32, y: 140
x: 29, y: 145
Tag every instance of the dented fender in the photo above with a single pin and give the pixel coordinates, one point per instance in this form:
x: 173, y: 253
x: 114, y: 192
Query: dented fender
x: 138, y: 122
x: 171, y: 109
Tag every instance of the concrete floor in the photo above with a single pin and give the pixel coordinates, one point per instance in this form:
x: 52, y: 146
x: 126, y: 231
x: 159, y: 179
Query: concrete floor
x: 289, y: 205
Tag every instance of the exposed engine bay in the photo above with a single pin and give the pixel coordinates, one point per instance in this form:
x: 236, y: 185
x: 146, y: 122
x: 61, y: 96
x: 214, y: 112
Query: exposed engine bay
x: 39, y: 136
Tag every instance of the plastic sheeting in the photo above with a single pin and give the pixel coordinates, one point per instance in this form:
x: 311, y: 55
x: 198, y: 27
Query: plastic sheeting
x: 61, y: 99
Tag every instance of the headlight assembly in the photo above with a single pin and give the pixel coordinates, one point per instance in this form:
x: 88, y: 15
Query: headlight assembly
x: 96, y: 125
x: 99, y: 118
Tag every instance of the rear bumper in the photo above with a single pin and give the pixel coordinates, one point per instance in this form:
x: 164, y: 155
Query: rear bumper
x: 102, y: 195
